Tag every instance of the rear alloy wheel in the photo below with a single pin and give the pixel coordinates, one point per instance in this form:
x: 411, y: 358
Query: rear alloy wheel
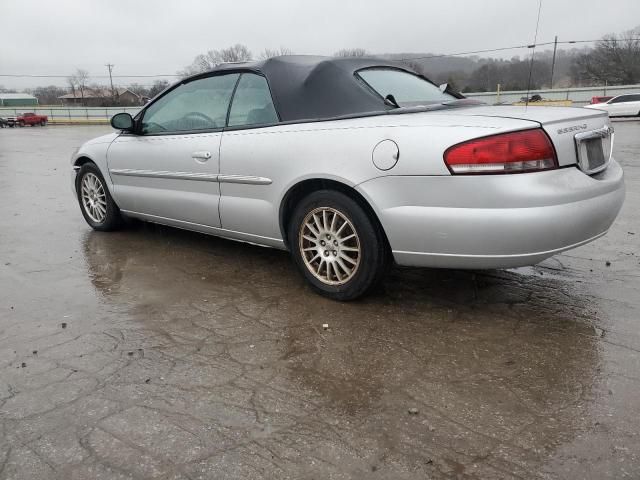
x: 338, y: 248
x: 330, y: 246
x: 43, y: 123
x: 96, y: 204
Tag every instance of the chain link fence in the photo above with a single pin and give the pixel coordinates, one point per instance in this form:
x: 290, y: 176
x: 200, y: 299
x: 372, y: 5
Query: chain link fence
x: 576, y: 97
x: 71, y: 115
x: 102, y: 115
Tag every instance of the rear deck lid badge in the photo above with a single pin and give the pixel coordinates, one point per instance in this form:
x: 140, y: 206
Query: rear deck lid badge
x: 573, y: 128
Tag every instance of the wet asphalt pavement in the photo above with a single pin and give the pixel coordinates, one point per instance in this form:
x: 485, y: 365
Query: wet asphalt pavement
x: 158, y: 353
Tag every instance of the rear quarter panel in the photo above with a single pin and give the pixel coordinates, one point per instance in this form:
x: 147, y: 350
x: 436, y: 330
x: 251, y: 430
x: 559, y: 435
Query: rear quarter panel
x: 337, y: 150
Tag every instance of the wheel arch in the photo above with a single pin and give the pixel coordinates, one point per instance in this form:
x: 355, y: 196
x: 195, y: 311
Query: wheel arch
x: 81, y: 160
x: 304, y: 187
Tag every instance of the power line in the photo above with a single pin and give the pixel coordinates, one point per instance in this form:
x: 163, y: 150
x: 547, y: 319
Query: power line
x: 553, y: 61
x: 110, y: 67
x: 514, y: 47
x: 490, y: 50
x: 533, y: 52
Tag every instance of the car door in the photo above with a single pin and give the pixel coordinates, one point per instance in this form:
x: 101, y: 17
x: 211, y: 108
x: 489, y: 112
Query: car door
x: 633, y: 105
x: 247, y: 193
x: 168, y: 169
x: 618, y: 106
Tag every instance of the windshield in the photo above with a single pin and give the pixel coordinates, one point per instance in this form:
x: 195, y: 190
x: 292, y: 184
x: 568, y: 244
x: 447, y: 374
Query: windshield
x: 406, y: 88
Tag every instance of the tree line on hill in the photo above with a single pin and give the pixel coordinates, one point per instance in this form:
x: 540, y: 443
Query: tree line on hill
x: 613, y: 60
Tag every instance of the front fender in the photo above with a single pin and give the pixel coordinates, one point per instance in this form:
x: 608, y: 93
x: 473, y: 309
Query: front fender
x: 94, y: 151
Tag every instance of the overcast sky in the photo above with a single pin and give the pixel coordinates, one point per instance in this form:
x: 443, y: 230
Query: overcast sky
x: 162, y: 36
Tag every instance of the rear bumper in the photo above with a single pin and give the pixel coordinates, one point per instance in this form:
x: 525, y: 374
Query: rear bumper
x: 494, y: 221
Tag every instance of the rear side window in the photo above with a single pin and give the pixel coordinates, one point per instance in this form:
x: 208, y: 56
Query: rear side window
x: 407, y: 89
x: 621, y: 98
x: 252, y: 103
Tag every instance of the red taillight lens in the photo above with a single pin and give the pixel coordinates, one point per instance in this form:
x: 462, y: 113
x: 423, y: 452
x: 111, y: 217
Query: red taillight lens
x: 516, y: 152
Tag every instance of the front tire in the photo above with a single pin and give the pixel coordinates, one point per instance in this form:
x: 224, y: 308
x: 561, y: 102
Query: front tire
x: 96, y: 204
x: 338, y: 248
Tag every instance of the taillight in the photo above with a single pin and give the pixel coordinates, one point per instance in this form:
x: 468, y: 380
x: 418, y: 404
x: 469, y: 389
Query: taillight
x: 515, y: 152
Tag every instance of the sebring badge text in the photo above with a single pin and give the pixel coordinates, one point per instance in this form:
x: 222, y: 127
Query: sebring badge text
x: 574, y: 128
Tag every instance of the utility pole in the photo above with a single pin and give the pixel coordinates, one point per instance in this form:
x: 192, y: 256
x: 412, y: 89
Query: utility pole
x: 553, y: 62
x: 110, y: 67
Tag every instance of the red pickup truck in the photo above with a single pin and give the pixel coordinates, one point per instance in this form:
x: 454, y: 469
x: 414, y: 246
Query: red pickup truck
x: 28, y: 118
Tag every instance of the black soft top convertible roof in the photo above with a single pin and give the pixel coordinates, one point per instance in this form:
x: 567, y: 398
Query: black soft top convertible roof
x: 306, y: 87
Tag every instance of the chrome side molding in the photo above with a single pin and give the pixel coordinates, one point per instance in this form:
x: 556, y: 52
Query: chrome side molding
x: 245, y: 179
x: 203, y: 177
x: 129, y: 172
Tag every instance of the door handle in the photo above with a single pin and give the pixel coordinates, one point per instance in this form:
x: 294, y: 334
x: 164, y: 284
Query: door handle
x: 201, y: 155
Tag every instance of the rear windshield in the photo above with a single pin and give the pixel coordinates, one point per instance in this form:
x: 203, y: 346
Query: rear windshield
x: 407, y: 89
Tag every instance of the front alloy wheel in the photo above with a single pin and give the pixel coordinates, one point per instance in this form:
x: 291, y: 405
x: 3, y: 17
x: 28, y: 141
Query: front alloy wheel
x: 337, y: 245
x: 96, y: 204
x: 94, y: 198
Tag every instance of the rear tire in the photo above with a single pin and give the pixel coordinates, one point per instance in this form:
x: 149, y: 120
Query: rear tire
x: 338, y: 248
x: 97, y: 207
x: 43, y: 123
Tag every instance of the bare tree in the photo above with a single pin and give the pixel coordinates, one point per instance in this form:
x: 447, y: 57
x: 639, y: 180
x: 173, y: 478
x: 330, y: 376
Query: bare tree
x: 209, y: 60
x: 157, y: 87
x: 351, y: 52
x: 277, y: 52
x: 235, y: 53
x: 72, y: 82
x: 138, y: 89
x: 415, y: 66
x: 78, y: 81
x: 614, y: 60
x: 48, y: 95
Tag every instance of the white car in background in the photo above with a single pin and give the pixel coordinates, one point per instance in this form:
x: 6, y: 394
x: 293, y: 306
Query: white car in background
x: 621, y: 106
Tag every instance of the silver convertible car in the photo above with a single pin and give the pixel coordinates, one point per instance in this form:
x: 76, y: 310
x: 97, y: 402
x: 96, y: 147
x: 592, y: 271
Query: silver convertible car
x: 352, y: 164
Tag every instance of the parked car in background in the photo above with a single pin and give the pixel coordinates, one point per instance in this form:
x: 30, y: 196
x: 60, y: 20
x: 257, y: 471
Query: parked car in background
x: 28, y: 118
x: 351, y: 164
x: 595, y: 100
x: 627, y: 105
x: 532, y: 98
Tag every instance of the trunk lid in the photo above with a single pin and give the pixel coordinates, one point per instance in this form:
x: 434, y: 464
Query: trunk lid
x: 578, y: 134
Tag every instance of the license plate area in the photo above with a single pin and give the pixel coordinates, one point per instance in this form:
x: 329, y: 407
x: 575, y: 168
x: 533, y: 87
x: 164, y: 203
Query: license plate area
x: 594, y: 149
x: 595, y: 154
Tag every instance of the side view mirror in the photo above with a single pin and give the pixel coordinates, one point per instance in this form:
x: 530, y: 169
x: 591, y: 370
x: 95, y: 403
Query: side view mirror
x: 122, y: 121
x: 446, y: 88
